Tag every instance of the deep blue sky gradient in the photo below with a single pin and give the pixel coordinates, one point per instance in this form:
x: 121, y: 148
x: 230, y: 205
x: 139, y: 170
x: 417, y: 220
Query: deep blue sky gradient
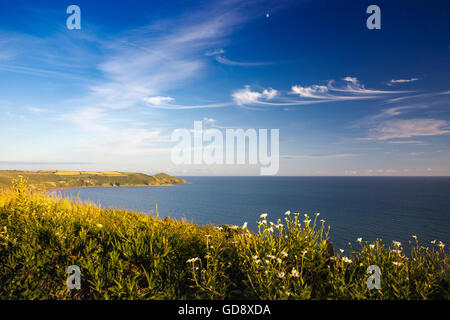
x: 79, y: 95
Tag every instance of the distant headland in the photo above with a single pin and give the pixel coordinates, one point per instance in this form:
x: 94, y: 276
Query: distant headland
x: 57, y: 179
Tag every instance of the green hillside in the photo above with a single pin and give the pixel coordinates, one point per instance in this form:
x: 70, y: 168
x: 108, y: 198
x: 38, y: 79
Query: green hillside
x: 69, y: 179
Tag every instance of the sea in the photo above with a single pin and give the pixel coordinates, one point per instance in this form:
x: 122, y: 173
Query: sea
x: 390, y: 208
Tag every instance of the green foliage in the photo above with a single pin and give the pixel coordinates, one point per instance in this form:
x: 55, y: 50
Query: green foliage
x: 128, y: 255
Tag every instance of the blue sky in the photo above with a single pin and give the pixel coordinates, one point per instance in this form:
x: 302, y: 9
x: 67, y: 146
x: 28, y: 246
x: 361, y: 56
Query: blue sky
x: 347, y: 100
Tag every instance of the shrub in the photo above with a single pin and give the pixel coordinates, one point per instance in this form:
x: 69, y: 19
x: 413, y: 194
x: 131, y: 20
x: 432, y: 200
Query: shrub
x: 129, y: 255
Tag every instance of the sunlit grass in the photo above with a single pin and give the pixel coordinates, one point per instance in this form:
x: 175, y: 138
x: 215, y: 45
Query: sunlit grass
x: 129, y: 255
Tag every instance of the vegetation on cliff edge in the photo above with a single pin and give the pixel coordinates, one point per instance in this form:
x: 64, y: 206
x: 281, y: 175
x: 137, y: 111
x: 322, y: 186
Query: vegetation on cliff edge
x: 129, y: 255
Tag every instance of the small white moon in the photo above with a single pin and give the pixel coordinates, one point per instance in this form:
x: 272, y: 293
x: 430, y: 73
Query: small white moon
x: 267, y: 15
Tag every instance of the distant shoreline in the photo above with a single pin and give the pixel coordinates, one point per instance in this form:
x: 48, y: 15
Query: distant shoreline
x: 61, y: 180
x: 125, y: 186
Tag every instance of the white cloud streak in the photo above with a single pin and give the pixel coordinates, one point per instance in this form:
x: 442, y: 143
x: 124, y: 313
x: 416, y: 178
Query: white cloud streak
x: 393, y: 81
x: 228, y: 62
x: 324, y: 156
x: 408, y: 128
x: 351, y: 90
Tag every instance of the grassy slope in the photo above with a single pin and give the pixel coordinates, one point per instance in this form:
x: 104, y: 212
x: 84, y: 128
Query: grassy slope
x: 127, y: 255
x: 64, y: 179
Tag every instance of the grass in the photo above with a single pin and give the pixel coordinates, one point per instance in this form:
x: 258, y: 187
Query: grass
x: 129, y: 255
x: 51, y: 179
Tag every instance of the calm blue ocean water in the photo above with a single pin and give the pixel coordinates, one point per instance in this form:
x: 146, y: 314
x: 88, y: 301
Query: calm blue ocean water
x: 391, y: 208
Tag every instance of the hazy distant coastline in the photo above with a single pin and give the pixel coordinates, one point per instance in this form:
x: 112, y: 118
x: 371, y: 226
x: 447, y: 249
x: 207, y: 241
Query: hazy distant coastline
x: 58, y: 180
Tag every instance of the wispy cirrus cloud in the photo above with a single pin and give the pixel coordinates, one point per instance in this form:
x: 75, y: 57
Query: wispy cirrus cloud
x: 432, y: 97
x: 318, y: 156
x: 353, y: 86
x: 141, y: 65
x: 214, y: 52
x: 406, y: 142
x: 393, y: 81
x: 386, y: 114
x: 407, y: 128
x: 247, y: 96
x: 228, y: 62
x: 166, y: 103
x: 349, y: 89
x: 219, y: 55
x: 388, y: 125
x: 51, y: 56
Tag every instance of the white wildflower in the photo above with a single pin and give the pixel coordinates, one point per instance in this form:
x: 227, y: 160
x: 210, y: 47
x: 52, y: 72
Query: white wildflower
x: 284, y: 253
x: 192, y: 260
x: 287, y: 213
x: 346, y: 260
x: 281, y: 275
x: 295, y: 273
x: 245, y: 225
x: 263, y: 216
x: 341, y: 250
x: 359, y: 240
